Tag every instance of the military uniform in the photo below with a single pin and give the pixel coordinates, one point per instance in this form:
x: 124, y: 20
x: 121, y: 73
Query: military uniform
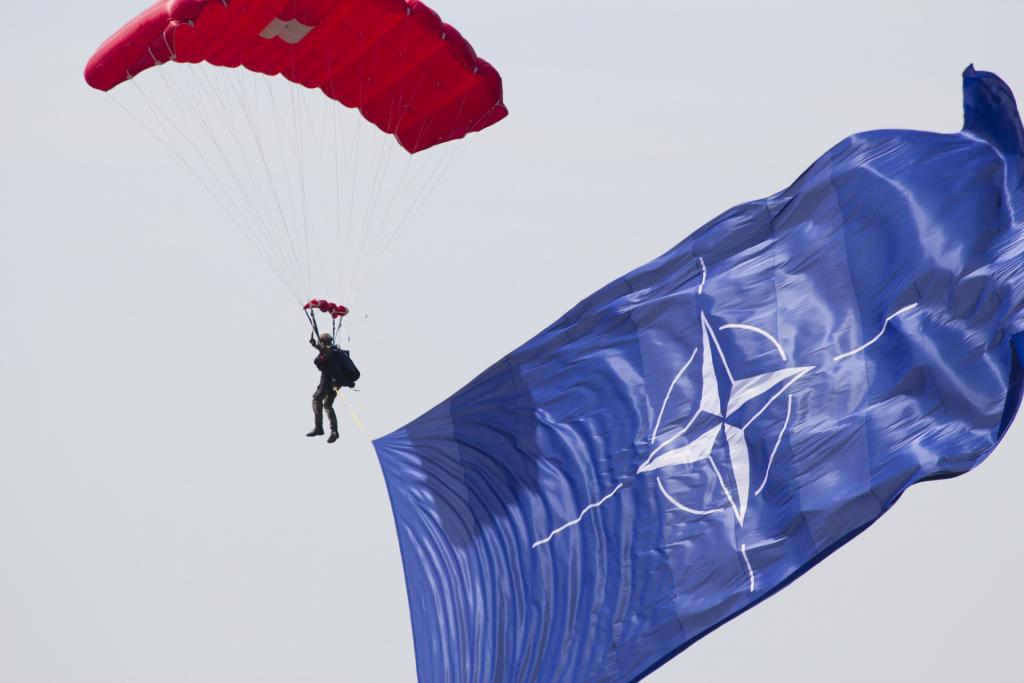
x: 323, y: 397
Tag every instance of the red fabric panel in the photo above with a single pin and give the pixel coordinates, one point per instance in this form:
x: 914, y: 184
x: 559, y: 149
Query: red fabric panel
x: 406, y: 71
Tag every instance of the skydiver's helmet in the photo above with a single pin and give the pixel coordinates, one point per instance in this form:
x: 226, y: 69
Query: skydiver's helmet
x: 325, y: 339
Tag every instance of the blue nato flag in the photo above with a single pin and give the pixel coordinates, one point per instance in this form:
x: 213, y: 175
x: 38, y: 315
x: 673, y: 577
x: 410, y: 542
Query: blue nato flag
x: 698, y: 433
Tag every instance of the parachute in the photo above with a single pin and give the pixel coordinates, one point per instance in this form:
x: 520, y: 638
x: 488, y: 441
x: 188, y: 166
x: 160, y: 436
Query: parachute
x: 321, y: 191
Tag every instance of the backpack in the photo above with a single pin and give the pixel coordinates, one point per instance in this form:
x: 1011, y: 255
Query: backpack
x: 343, y: 370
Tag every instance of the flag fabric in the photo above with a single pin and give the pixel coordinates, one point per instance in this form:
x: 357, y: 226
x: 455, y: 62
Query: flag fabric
x: 698, y: 433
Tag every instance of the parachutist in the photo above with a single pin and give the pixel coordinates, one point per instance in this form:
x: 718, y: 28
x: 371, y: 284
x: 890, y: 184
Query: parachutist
x: 323, y: 397
x: 336, y: 370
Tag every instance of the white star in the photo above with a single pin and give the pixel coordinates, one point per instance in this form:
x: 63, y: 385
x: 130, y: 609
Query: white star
x: 713, y: 401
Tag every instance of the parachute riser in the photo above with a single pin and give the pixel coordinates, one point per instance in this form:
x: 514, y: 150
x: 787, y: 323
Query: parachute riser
x: 312, y: 321
x: 336, y: 312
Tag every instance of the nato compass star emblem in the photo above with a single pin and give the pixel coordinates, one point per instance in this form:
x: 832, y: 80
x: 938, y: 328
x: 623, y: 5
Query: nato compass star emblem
x: 716, y: 432
x: 716, y: 423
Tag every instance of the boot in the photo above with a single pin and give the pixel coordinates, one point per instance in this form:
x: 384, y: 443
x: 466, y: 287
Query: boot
x: 333, y: 437
x: 317, y: 431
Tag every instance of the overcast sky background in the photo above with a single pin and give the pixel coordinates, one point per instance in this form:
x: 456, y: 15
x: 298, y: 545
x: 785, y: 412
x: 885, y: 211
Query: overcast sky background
x: 162, y: 518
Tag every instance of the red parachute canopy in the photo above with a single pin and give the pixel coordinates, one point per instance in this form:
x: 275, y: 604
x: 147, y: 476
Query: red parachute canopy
x: 366, y: 54
x: 336, y: 311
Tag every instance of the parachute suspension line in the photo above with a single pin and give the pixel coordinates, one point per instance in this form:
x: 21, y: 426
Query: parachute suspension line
x: 394, y: 124
x: 346, y: 189
x: 452, y: 152
x: 403, y: 110
x: 391, y: 125
x: 205, y: 124
x: 199, y: 112
x: 380, y: 156
x: 441, y: 157
x: 338, y: 149
x: 273, y: 213
x: 467, y: 139
x: 418, y: 201
x: 168, y: 144
x: 312, y: 321
x: 363, y: 192
x: 355, y: 185
x: 355, y: 252
x: 336, y: 322
x: 369, y: 264
x: 457, y: 150
x: 323, y: 122
x: 217, y: 88
x: 237, y: 215
x: 303, y: 202
x: 400, y: 185
x: 273, y: 222
x: 225, y: 117
x: 375, y: 190
x: 371, y: 222
x: 311, y: 136
x: 251, y: 107
x: 284, y: 132
x: 446, y: 163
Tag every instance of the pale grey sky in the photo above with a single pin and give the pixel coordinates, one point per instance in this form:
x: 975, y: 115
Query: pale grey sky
x: 162, y: 518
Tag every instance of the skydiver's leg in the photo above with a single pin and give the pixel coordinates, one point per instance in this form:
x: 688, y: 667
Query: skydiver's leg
x: 332, y: 417
x: 318, y: 410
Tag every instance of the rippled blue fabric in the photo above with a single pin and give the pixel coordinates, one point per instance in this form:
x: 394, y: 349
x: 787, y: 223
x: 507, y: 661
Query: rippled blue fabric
x: 698, y: 433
